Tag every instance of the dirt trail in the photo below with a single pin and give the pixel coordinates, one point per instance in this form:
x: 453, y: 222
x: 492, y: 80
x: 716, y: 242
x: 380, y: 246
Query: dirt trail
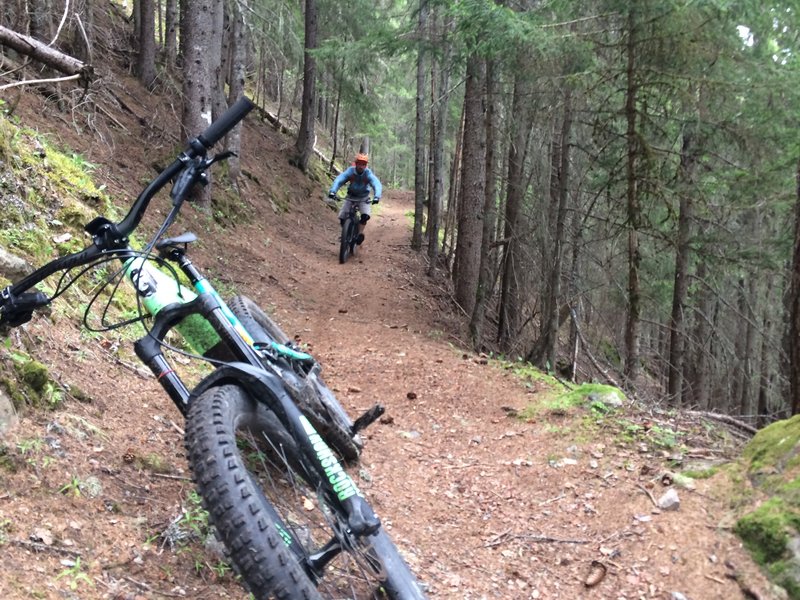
x: 483, y: 503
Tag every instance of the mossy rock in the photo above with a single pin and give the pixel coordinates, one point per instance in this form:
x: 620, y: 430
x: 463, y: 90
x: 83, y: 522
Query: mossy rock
x: 35, y: 374
x: 774, y: 450
x: 13, y: 389
x: 74, y: 213
x: 9, y: 460
x: 766, y: 531
x: 771, y: 532
x: 33, y: 386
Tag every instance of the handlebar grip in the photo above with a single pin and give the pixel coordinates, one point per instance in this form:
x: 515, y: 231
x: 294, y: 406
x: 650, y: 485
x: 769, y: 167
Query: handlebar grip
x: 227, y: 121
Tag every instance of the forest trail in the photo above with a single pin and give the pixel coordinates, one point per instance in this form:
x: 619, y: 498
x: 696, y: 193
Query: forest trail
x: 485, y: 505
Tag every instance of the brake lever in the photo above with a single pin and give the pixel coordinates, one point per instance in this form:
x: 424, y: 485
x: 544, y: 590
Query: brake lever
x: 18, y: 310
x: 220, y: 157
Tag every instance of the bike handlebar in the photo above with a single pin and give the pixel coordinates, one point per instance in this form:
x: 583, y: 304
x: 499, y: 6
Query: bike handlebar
x: 110, y: 237
x: 227, y: 121
x: 196, y: 147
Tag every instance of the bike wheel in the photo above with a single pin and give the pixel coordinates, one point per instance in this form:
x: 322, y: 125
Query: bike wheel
x: 346, y: 244
x: 308, y: 390
x: 245, y: 307
x: 272, y: 514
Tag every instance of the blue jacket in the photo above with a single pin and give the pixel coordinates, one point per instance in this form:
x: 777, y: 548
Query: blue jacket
x: 358, y: 184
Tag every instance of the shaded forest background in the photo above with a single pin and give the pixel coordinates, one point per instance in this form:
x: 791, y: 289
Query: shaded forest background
x: 610, y: 187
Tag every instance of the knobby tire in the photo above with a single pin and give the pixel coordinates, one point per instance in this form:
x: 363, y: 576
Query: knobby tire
x: 347, y: 245
x: 258, y: 492
x: 236, y: 505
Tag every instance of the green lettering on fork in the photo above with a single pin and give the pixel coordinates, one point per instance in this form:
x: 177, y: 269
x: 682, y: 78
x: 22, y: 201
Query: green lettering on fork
x: 341, y: 482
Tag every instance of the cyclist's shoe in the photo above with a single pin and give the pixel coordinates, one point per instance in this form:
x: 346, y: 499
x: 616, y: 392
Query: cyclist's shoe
x: 360, y: 239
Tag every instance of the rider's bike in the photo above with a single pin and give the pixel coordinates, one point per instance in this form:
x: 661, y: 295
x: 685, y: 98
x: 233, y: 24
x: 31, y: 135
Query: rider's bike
x: 293, y: 521
x: 347, y: 242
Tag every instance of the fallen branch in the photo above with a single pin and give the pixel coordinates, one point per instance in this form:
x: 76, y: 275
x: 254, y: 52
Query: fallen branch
x: 723, y: 419
x: 175, y: 477
x: 39, y: 51
x: 649, y: 495
x: 506, y: 536
x: 594, y: 362
x: 37, y: 547
x: 38, y: 81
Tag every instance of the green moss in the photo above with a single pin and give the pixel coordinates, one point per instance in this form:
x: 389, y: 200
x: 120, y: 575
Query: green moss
x: 12, y: 388
x: 153, y: 462
x: 765, y: 531
x: 702, y: 474
x: 33, y: 241
x: 74, y: 213
x: 79, y: 394
x: 774, y: 448
x: 8, y: 141
x: 560, y: 404
x: 33, y: 386
x: 9, y: 461
x: 35, y: 374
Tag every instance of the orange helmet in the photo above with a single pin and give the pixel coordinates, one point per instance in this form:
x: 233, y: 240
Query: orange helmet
x: 362, y: 158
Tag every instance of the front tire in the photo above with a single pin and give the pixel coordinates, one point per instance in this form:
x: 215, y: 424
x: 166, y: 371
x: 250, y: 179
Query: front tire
x: 346, y: 243
x: 272, y: 514
x: 237, y: 507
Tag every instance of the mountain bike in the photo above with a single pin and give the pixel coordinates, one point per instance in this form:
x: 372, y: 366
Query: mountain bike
x: 293, y: 521
x: 347, y: 242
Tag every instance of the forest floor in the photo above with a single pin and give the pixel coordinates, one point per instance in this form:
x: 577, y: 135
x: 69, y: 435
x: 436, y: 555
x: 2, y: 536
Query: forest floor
x: 96, y: 500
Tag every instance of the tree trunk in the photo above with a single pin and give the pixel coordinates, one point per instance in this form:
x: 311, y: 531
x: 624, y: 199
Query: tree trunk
x: 544, y: 353
x: 486, y: 273
x: 419, y: 141
x: 171, y: 33
x: 749, y: 362
x: 762, y: 408
x: 438, y: 136
x: 236, y: 79
x: 448, y: 241
x: 146, y: 63
x: 633, y: 324
x: 793, y: 345
x: 199, y: 72
x: 40, y: 25
x: 473, y: 182
x: 510, y: 296
x: 680, y: 288
x: 304, y: 147
x: 335, y: 127
x: 696, y: 371
x: 38, y: 51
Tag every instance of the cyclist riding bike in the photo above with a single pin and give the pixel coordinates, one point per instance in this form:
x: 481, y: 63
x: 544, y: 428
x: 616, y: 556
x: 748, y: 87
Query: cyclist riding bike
x: 359, y: 179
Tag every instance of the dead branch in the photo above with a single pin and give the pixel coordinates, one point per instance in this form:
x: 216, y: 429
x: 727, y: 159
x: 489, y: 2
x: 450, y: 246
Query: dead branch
x: 37, y: 547
x: 594, y: 362
x: 39, y: 51
x: 723, y: 419
x: 506, y: 536
x: 649, y: 495
x: 40, y: 81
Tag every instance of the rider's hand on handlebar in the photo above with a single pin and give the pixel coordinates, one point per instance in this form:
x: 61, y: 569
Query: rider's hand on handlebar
x: 330, y: 200
x: 376, y: 200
